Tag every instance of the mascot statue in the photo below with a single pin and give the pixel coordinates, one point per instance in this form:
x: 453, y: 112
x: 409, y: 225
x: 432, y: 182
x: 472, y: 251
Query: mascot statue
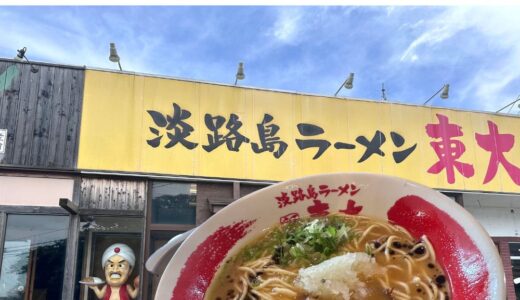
x: 118, y: 263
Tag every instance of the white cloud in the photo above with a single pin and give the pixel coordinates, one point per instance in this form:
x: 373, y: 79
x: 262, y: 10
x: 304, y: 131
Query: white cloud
x: 438, y: 30
x: 493, y: 29
x: 334, y: 39
x: 500, y: 27
x: 389, y: 10
x: 287, y: 26
x: 65, y: 37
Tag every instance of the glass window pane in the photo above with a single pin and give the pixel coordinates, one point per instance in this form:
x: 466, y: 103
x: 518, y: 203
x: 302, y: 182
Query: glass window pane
x: 97, y: 233
x: 34, y: 257
x: 157, y: 240
x: 110, y: 224
x: 514, y: 249
x: 173, y: 203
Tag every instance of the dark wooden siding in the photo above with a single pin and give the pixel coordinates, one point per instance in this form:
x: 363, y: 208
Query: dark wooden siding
x: 210, y: 191
x: 41, y: 112
x: 112, y: 194
x: 246, y: 189
x: 220, y: 194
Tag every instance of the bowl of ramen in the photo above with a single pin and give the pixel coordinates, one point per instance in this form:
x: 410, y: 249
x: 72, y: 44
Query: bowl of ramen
x: 337, y: 236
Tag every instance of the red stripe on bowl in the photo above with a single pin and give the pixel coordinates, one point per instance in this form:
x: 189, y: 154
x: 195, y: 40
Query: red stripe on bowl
x: 456, y: 252
x: 203, y: 263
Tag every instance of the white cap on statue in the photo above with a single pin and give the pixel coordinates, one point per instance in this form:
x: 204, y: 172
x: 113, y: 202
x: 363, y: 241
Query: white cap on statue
x: 119, y: 249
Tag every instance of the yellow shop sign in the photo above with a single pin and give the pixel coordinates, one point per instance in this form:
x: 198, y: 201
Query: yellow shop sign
x: 143, y: 124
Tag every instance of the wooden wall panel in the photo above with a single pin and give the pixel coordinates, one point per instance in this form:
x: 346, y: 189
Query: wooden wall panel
x: 207, y: 191
x: 246, y: 189
x: 41, y: 112
x: 222, y: 193
x: 112, y: 194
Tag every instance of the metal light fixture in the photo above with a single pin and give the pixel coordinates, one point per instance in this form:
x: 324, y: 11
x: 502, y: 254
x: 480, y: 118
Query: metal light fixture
x: 444, y: 95
x: 113, y: 55
x: 348, y: 83
x: 240, y: 73
x: 20, y: 56
x: 445, y: 91
x: 510, y: 104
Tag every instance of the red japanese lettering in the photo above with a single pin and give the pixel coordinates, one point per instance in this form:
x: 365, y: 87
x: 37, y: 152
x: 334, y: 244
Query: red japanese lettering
x: 318, y: 208
x: 344, y: 189
x: 283, y: 200
x: 354, y: 190
x: 448, y: 150
x: 324, y: 190
x: 497, y: 144
x: 289, y: 217
x: 311, y: 192
x: 298, y: 195
x: 352, y: 209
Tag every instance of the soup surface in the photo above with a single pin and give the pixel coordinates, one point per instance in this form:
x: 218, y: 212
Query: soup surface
x: 329, y: 258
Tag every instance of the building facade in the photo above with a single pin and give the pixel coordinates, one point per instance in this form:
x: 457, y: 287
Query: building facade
x: 91, y: 157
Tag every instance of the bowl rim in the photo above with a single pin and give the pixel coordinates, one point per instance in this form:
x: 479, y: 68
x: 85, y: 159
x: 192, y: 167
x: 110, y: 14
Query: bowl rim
x: 485, y: 245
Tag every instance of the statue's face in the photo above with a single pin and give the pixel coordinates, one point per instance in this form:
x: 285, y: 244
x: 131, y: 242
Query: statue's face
x: 117, y: 270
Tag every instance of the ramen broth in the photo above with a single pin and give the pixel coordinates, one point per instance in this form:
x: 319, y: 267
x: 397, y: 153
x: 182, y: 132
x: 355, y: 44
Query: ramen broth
x: 268, y: 267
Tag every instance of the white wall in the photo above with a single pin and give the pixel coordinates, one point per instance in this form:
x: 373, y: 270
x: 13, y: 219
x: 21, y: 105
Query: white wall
x: 498, y: 214
x: 33, y: 191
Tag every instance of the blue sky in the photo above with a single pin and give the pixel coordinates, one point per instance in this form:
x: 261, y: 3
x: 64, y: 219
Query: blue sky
x: 413, y: 50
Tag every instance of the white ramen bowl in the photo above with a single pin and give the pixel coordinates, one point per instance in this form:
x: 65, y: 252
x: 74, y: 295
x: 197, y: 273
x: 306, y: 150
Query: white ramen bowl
x: 464, y: 250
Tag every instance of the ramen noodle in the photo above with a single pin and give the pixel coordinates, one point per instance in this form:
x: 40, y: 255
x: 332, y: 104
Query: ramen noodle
x: 329, y: 258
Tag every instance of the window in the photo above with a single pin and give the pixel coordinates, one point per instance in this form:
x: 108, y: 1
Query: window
x: 34, y: 257
x: 514, y: 249
x: 157, y: 240
x: 173, y: 203
x: 172, y: 211
x: 97, y: 233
